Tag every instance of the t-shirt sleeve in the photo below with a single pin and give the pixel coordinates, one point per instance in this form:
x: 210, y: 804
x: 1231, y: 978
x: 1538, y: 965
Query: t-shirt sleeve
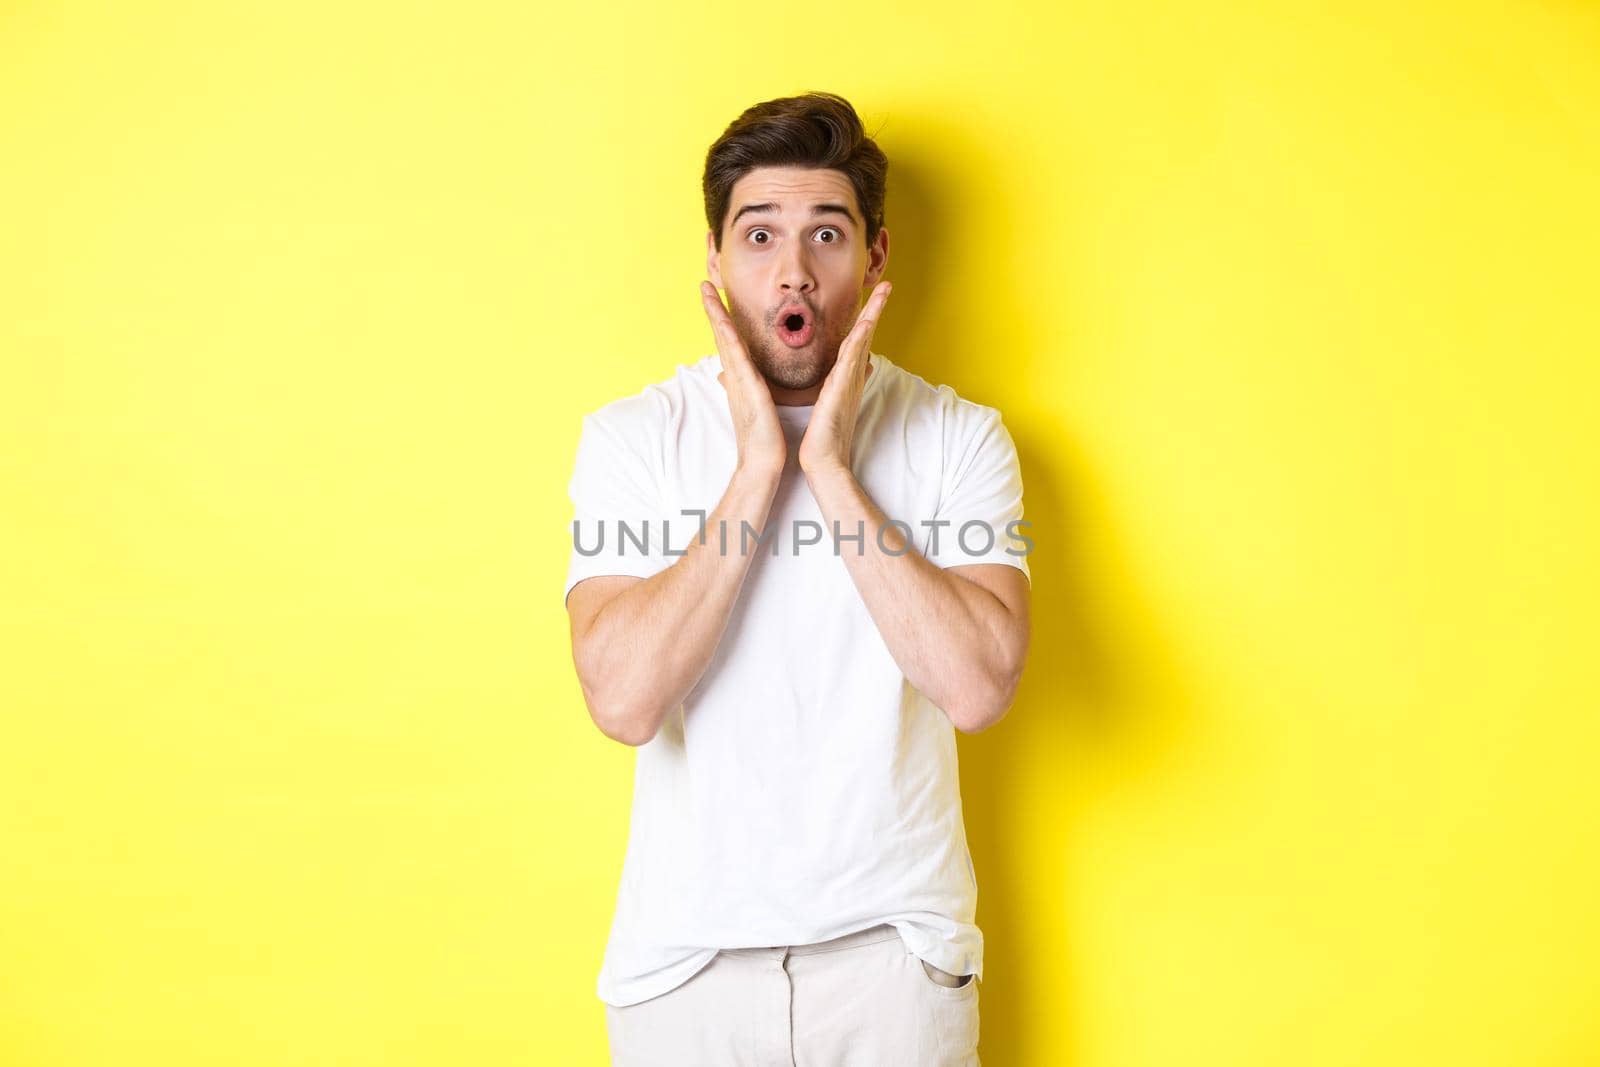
x: 616, y: 525
x: 980, y: 503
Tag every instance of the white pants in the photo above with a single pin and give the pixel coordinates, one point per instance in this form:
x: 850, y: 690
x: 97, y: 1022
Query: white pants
x: 861, y: 1000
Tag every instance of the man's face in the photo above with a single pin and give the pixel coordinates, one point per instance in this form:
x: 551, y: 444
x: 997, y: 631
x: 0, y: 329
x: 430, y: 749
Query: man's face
x: 794, y: 243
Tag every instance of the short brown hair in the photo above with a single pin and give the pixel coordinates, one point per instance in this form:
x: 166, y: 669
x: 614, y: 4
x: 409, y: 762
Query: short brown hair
x: 811, y: 130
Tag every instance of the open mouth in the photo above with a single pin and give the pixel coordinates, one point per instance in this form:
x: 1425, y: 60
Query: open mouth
x: 795, y: 328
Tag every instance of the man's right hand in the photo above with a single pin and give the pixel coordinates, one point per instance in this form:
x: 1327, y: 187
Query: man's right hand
x: 755, y: 417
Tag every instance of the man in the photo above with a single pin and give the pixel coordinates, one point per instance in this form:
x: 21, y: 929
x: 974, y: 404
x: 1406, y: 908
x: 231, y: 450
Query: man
x: 797, y: 570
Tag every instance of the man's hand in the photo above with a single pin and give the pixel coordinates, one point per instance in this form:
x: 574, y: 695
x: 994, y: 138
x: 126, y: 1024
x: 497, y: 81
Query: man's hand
x: 755, y: 417
x: 825, y: 449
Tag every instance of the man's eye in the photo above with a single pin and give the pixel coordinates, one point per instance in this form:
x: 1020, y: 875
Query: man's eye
x: 837, y: 236
x: 758, y: 233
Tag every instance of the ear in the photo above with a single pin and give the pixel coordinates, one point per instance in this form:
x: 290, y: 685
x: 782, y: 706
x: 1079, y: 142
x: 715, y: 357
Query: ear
x: 877, y: 259
x: 713, y: 261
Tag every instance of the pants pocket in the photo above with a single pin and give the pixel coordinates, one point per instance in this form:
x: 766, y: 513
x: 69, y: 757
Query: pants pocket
x: 941, y: 981
x: 943, y: 977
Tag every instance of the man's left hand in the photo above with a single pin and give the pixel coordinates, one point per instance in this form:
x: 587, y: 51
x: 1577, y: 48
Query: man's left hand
x: 825, y: 448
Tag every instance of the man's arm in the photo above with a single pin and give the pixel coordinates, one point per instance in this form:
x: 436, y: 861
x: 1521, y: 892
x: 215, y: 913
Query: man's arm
x: 959, y: 634
x: 960, y: 638
x: 641, y: 644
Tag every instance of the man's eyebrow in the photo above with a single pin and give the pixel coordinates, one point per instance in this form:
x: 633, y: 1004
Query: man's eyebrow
x: 816, y: 209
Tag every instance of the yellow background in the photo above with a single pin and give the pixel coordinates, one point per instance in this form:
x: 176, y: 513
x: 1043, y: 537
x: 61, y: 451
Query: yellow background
x: 1291, y: 309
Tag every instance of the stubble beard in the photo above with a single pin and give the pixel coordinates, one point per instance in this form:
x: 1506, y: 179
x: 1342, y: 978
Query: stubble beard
x: 784, y: 367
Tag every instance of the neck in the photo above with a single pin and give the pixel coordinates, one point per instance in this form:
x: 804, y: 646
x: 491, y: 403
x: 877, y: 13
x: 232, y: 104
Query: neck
x: 793, y: 398
x: 802, y: 397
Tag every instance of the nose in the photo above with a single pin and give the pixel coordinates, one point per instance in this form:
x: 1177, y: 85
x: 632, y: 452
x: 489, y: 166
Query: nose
x: 794, y: 272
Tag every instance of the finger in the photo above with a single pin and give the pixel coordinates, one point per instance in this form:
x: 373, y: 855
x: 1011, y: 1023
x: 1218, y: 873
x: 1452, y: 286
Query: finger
x: 711, y: 303
x: 874, y: 314
x: 726, y: 334
x: 859, y: 340
x: 729, y: 346
x: 874, y: 308
x: 848, y: 368
x: 867, y: 321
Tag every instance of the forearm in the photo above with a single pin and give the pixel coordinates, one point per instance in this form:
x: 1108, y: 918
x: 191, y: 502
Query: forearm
x: 953, y: 639
x: 648, y: 646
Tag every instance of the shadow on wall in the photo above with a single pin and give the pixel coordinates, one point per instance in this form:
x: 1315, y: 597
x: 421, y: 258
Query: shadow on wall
x: 1081, y: 727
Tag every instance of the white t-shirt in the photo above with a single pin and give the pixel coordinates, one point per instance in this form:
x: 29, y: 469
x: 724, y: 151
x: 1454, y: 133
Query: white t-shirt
x: 803, y: 790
